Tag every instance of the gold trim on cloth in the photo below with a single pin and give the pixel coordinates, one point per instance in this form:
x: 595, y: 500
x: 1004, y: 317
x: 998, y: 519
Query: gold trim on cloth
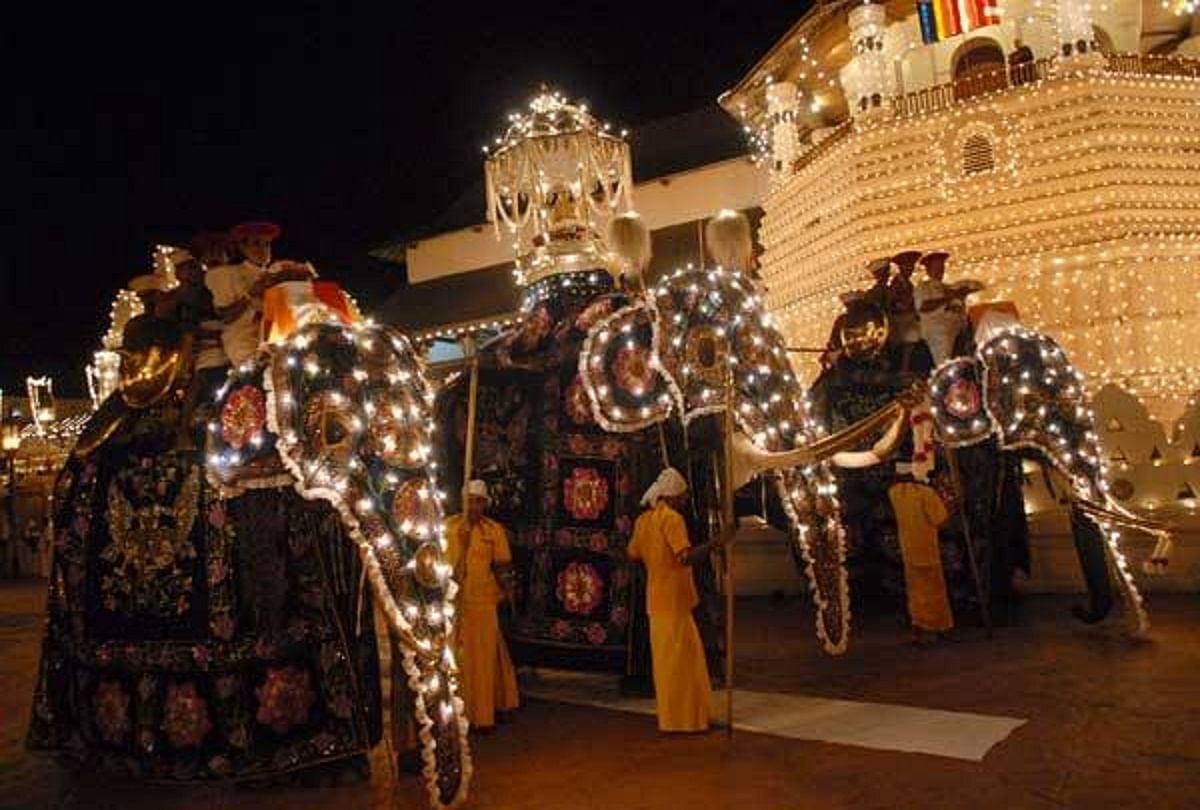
x: 148, y: 375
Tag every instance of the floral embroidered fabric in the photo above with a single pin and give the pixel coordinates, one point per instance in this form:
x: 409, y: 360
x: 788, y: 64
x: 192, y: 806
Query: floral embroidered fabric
x: 192, y: 638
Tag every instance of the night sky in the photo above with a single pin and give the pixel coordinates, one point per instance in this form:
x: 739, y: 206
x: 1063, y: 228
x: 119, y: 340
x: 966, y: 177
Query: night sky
x: 344, y: 126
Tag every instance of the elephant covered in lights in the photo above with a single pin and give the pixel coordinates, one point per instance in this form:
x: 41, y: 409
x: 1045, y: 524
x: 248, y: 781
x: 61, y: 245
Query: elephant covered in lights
x: 564, y: 487
x: 1020, y: 388
x: 701, y: 338
x: 338, y: 414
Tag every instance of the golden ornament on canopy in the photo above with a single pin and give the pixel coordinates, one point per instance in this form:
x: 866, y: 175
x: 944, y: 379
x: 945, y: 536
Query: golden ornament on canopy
x: 554, y: 180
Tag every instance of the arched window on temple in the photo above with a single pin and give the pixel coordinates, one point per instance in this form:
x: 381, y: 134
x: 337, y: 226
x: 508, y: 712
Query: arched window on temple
x: 979, y: 67
x: 978, y: 155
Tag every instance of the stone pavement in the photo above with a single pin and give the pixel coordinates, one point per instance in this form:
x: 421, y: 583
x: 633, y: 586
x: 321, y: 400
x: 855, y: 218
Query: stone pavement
x: 1112, y: 724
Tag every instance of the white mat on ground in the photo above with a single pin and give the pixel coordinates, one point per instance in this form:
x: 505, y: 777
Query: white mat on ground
x: 883, y: 726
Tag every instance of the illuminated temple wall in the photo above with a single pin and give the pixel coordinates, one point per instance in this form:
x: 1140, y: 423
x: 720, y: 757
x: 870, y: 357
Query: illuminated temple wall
x: 1088, y: 219
x: 1071, y: 187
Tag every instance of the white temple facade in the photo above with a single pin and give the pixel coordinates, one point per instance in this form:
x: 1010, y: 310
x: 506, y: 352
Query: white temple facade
x: 1066, y: 178
x: 1069, y: 184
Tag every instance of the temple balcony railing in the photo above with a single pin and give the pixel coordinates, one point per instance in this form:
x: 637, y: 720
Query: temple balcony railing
x: 1152, y: 64
x: 943, y: 96
x: 981, y: 83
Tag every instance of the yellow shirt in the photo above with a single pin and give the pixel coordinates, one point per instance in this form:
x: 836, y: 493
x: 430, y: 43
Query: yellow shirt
x: 658, y: 536
x: 919, y: 512
x: 488, y: 545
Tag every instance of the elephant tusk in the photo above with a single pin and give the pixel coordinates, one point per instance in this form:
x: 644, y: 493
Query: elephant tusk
x: 750, y: 460
x: 1123, y: 518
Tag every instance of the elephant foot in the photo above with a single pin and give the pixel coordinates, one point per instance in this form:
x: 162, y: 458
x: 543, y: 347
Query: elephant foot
x: 410, y: 762
x: 1093, y: 614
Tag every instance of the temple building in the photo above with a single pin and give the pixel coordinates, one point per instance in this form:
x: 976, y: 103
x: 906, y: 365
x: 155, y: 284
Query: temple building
x: 1052, y: 148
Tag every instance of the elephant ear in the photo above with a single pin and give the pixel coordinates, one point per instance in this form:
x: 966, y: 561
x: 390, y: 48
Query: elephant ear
x: 959, y: 404
x: 714, y: 321
x: 621, y: 369
x: 1039, y: 403
x: 345, y: 410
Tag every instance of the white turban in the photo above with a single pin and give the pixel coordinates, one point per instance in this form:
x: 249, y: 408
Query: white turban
x: 477, y: 489
x: 670, y: 482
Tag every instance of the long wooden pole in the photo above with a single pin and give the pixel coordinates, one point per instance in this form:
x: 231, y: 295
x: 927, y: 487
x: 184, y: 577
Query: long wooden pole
x: 728, y: 528
x: 980, y: 593
x: 472, y: 399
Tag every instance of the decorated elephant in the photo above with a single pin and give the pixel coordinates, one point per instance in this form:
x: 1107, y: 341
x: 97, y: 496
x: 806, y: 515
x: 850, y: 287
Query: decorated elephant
x: 697, y: 343
x: 337, y: 415
x: 1006, y: 393
x: 218, y: 626
x: 1020, y: 389
x: 700, y: 341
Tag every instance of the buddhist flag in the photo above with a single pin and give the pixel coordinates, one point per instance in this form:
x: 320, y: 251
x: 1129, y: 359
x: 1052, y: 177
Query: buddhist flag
x: 970, y: 12
x: 945, y: 14
x: 928, y: 25
x: 989, y: 12
x: 941, y: 19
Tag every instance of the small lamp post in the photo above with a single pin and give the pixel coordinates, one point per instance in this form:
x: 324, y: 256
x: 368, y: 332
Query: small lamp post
x: 10, y: 442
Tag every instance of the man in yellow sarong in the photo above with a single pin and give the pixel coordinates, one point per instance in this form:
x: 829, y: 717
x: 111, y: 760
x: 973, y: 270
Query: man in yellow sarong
x: 919, y: 512
x: 683, y: 692
x: 478, y: 549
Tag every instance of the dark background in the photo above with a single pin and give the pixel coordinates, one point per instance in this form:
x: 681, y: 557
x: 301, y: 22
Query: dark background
x: 346, y: 124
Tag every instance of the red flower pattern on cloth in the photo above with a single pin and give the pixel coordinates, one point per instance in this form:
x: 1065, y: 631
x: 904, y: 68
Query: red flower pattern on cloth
x: 284, y: 699
x: 185, y: 716
x: 111, y: 710
x: 963, y: 399
x: 244, y: 415
x: 585, y: 493
x: 577, y: 405
x: 633, y: 370
x: 596, y: 634
x: 580, y: 588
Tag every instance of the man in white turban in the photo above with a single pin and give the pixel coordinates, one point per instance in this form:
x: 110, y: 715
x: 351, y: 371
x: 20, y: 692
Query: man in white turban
x: 683, y: 692
x: 477, y: 547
